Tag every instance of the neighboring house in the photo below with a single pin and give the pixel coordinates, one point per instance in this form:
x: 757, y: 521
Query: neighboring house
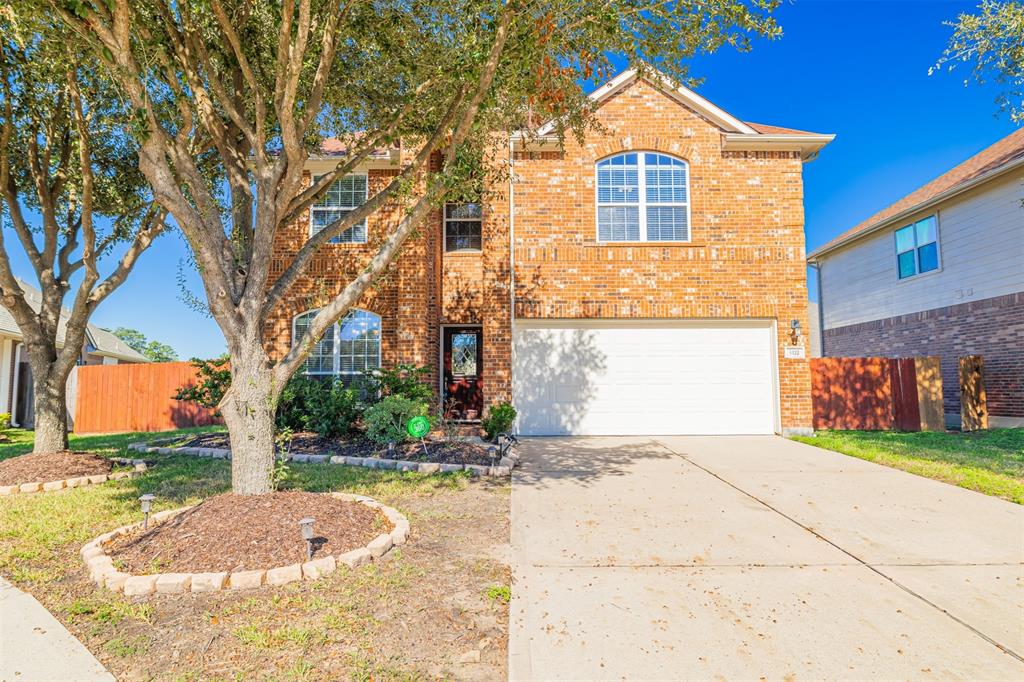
x: 940, y: 272
x: 646, y: 281
x: 814, y: 329
x: 100, y: 348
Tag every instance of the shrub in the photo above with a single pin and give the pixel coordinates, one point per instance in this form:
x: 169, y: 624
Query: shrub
x: 214, y: 380
x: 5, y: 421
x: 386, y: 421
x: 405, y: 380
x: 499, y: 419
x: 325, y: 406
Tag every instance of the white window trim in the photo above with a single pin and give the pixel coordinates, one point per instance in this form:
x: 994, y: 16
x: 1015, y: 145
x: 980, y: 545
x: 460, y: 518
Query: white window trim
x: 642, y: 204
x: 917, y: 264
x: 336, y: 355
x: 366, y: 222
x: 446, y: 219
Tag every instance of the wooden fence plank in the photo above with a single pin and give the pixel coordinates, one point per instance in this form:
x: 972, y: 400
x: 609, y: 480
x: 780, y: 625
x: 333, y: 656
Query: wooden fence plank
x: 852, y: 393
x: 136, y: 397
x: 973, y: 402
x: 929, y: 393
x: 905, y: 408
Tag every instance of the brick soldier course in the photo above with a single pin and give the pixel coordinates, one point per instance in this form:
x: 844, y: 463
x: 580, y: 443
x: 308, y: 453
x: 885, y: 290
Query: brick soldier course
x: 744, y: 260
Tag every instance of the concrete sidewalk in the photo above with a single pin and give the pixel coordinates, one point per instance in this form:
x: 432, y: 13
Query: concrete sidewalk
x: 35, y: 647
x: 748, y: 557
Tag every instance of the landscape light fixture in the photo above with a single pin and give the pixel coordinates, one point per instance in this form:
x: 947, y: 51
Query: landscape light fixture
x: 307, y: 534
x: 147, y: 505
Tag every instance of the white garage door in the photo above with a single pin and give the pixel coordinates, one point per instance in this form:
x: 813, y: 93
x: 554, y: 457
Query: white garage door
x: 643, y: 378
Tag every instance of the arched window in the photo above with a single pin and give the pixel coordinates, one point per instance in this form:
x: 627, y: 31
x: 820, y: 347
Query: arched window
x: 643, y: 197
x: 349, y: 348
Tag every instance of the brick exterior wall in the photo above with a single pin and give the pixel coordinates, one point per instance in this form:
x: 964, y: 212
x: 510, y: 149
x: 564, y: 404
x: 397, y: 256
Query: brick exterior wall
x: 746, y: 255
x: 745, y: 259
x: 992, y: 328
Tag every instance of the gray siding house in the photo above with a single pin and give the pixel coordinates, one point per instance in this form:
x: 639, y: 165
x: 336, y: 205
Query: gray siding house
x: 940, y: 272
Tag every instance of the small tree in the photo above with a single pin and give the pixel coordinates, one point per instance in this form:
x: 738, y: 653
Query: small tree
x: 152, y: 349
x: 230, y: 98
x: 991, y: 43
x: 66, y: 164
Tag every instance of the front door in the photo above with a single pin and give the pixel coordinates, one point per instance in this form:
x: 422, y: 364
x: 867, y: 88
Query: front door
x: 463, y: 373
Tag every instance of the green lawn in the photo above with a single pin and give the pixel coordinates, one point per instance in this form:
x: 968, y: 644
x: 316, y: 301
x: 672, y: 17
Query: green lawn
x: 111, y: 445
x: 263, y: 634
x: 990, y: 462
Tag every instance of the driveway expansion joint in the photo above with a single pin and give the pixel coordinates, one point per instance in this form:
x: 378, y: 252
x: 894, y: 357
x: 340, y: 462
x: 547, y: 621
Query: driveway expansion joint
x: 869, y: 566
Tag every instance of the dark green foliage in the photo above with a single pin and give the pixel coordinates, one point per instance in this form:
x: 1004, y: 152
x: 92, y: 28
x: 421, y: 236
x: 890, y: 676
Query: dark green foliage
x: 405, y: 380
x: 499, y: 419
x: 151, y: 348
x: 214, y: 380
x: 386, y: 421
x: 325, y: 406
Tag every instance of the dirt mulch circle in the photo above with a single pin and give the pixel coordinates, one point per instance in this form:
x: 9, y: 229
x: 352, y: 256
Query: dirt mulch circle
x: 248, y: 532
x: 307, y: 443
x: 52, y: 466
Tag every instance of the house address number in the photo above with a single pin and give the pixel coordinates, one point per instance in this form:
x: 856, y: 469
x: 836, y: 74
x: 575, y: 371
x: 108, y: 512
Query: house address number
x: 794, y: 352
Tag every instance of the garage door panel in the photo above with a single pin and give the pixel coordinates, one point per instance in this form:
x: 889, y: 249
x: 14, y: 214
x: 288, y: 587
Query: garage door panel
x: 636, y: 379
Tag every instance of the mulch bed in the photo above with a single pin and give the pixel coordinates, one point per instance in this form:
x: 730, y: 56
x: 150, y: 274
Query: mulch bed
x: 247, y: 532
x: 52, y: 466
x: 306, y: 443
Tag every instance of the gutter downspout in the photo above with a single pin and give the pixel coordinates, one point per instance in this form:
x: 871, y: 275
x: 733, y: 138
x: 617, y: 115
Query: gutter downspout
x: 511, y: 260
x: 821, y: 308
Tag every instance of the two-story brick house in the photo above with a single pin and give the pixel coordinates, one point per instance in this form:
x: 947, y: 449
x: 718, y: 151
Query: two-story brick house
x: 650, y: 280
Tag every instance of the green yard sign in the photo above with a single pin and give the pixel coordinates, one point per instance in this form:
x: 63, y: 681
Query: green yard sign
x: 418, y: 427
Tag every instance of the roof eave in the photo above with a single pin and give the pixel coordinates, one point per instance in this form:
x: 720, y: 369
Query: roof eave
x: 916, y: 208
x: 807, y: 145
x: 681, y: 93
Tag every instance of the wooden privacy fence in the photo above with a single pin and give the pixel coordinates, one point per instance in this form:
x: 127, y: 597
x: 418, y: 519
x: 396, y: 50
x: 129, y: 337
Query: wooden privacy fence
x: 877, y: 394
x: 136, y: 398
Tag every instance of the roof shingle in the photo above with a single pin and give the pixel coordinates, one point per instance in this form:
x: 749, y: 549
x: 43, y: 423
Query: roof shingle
x: 1003, y: 152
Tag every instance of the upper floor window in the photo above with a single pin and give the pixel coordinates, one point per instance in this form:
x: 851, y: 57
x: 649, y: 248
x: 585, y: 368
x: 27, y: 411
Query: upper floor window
x: 462, y: 227
x: 345, y: 195
x: 917, y: 248
x: 642, y: 196
x: 351, y: 346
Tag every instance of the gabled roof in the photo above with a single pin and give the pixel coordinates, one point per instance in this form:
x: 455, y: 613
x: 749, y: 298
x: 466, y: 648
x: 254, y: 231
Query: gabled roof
x: 1004, y: 155
x: 103, y: 341
x: 737, y: 134
x: 682, y: 94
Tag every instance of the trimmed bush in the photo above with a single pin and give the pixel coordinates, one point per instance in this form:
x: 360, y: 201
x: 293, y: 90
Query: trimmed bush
x: 499, y: 419
x: 386, y: 421
x: 325, y: 406
x: 404, y: 380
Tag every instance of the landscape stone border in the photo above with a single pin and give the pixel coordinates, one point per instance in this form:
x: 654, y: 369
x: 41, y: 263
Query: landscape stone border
x: 77, y: 481
x: 103, y: 572
x: 502, y: 468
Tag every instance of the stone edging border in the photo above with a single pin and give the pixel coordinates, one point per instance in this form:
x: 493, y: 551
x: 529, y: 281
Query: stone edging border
x: 77, y: 481
x: 503, y: 468
x: 104, y: 574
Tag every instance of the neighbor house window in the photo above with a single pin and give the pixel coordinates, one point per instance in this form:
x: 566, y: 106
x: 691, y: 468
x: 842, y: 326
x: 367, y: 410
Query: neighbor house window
x: 345, y: 195
x: 917, y: 248
x: 350, y: 348
x: 642, y: 196
x: 462, y: 227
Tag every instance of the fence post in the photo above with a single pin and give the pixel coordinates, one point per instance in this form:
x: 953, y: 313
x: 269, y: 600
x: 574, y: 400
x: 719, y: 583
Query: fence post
x: 929, y: 393
x: 973, y: 402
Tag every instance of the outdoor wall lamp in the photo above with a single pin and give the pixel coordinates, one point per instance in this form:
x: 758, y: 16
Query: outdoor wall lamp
x: 147, y: 505
x: 307, y: 534
x: 794, y: 331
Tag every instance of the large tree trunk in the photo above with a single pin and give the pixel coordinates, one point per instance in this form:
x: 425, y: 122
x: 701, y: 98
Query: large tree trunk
x: 51, y: 414
x: 249, y: 408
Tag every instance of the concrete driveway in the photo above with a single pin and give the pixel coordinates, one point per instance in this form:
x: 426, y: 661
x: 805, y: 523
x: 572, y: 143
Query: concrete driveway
x: 755, y: 557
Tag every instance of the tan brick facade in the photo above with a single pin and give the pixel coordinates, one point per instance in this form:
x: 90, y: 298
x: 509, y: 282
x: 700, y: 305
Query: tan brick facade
x: 745, y: 259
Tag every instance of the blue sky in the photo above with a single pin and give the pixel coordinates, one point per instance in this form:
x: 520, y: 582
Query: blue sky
x: 856, y: 69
